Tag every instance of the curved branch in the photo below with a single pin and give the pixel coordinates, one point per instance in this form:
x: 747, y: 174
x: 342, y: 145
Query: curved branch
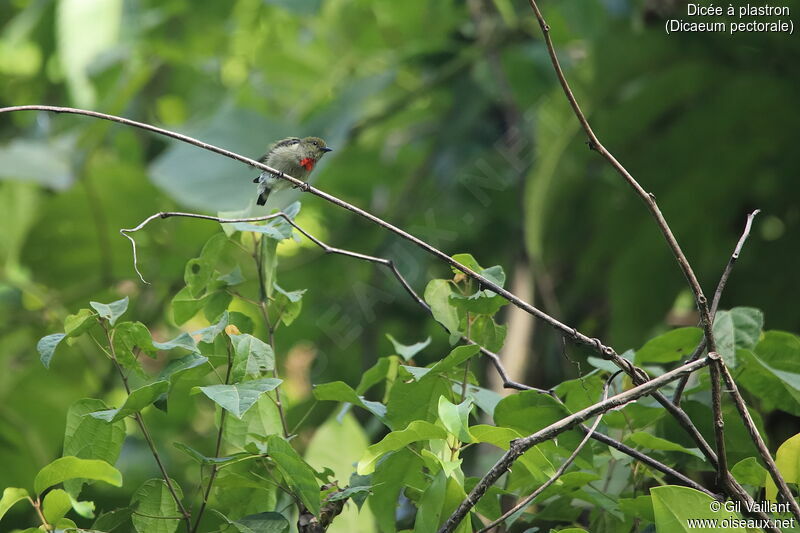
x: 561, y: 469
x: 520, y: 446
x: 605, y: 351
x: 718, y: 368
x: 723, y: 280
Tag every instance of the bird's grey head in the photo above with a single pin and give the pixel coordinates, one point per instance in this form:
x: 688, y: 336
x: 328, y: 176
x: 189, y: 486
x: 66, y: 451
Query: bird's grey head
x: 314, y: 147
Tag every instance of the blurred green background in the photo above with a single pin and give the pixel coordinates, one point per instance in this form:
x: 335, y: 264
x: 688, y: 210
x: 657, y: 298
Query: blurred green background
x: 447, y: 120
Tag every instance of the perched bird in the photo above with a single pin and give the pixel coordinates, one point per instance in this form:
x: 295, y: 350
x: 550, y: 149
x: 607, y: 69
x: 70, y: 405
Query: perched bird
x: 293, y: 156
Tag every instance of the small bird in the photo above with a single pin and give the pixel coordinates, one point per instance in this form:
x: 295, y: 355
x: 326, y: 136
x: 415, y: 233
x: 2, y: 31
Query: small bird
x: 293, y: 156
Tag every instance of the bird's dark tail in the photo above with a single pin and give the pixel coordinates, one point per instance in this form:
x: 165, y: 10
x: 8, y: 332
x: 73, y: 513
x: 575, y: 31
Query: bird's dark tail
x: 256, y: 179
x: 262, y: 198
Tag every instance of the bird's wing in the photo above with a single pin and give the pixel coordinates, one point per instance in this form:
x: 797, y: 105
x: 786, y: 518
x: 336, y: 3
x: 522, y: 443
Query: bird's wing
x: 280, y: 144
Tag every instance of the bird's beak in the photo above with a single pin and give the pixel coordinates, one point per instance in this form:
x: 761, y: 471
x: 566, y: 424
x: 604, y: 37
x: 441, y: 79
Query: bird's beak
x: 326, y: 149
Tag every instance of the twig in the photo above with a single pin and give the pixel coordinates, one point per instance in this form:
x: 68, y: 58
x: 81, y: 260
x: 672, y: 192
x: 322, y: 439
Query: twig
x: 147, y: 437
x: 723, y: 280
x: 605, y: 351
x: 561, y: 469
x: 680, y: 415
x: 763, y: 451
x: 520, y: 446
x: 701, y: 301
x: 218, y: 448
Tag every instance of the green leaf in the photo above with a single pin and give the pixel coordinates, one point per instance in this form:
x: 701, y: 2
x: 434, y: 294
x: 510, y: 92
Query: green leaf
x: 296, y: 472
x: 646, y: 440
x: 417, y: 430
x: 47, y: 347
x: 528, y: 411
x: 437, y: 295
x: 483, y: 302
x: 393, y: 474
x: 378, y: 372
x: 252, y: 357
x: 429, y: 514
x: 487, y: 333
x: 457, y: 356
x: 83, y: 508
x: 185, y: 306
x: 86, y: 437
x: 639, y: 507
x: 199, y: 457
x: 199, y: 272
x: 494, y: 274
x: 111, y: 520
x: 288, y: 304
x: 75, y: 325
x: 671, y: 346
x: 773, y: 371
x: 485, y: 399
x: 750, y: 472
x: 156, y: 510
x: 269, y: 262
x: 349, y: 492
x: 673, y: 506
x: 190, y: 366
x: 184, y: 340
x: 248, y: 433
x: 267, y: 522
x: 131, y: 335
x: 240, y: 397
x: 112, y: 311
x: 216, y: 305
x: 11, y: 495
x: 455, y: 418
x: 55, y: 505
x: 787, y: 459
x: 136, y: 401
x: 209, y: 334
x: 778, y: 389
x: 534, y: 461
x: 739, y: 328
x: 408, y: 351
x: 234, y: 277
x: 70, y: 467
x: 338, y: 391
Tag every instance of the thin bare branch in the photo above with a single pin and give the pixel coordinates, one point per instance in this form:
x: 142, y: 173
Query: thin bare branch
x: 706, y: 316
x: 605, y: 351
x: 520, y: 446
x: 561, y: 469
x: 763, y: 451
x: 723, y: 280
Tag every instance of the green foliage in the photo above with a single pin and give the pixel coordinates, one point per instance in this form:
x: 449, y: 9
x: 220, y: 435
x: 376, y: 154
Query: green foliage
x: 431, y: 109
x: 69, y: 467
x: 239, y: 398
x: 156, y: 510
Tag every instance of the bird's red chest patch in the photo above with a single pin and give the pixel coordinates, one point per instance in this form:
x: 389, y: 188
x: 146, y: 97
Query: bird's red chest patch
x: 307, y: 163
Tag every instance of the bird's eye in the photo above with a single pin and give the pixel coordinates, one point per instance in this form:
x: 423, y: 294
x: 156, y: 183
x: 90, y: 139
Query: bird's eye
x: 315, y: 143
